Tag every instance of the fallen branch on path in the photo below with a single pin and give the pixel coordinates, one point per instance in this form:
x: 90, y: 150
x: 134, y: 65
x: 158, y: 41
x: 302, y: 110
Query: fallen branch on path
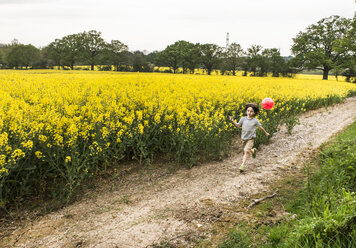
x: 256, y: 201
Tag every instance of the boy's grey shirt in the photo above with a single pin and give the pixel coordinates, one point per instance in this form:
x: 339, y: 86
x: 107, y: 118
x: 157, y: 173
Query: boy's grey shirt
x: 248, y: 127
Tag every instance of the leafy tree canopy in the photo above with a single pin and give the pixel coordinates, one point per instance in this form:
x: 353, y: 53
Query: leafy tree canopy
x: 318, y: 46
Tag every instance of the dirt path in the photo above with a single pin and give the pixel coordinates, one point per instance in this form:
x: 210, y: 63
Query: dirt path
x: 145, y: 209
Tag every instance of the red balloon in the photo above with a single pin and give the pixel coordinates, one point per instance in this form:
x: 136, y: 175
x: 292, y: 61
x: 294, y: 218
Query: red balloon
x: 267, y: 103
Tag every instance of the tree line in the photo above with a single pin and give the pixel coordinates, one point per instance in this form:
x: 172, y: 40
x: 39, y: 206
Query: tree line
x: 327, y: 45
x: 89, y: 48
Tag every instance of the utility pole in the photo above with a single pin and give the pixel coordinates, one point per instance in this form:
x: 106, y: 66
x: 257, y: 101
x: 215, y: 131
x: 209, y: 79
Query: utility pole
x: 227, y: 41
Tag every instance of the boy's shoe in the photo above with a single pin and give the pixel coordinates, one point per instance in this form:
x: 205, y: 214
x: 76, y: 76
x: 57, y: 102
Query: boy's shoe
x: 242, y: 168
x: 253, y: 150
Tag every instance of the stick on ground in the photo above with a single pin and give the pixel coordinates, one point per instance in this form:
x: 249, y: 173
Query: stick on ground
x: 256, y: 201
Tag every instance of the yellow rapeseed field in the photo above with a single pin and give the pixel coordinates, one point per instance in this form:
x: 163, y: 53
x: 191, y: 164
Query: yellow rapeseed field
x: 62, y: 126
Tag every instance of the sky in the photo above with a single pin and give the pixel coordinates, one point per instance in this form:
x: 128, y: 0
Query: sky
x: 154, y: 24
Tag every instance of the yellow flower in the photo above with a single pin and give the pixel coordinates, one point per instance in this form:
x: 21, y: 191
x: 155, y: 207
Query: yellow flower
x: 61, y: 109
x: 28, y: 144
x: 38, y: 154
x: 68, y: 159
x: 3, y: 139
x: 42, y: 138
x: 2, y: 159
x: 140, y: 127
x: 17, y: 154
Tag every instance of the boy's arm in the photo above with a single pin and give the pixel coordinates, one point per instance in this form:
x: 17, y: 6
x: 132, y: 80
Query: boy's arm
x: 234, y: 122
x: 263, y: 130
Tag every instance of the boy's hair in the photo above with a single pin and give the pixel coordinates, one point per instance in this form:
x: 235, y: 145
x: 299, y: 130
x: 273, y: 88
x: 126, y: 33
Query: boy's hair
x: 255, y: 107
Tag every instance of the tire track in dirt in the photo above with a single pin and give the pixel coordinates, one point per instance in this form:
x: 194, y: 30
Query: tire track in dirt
x: 146, y: 209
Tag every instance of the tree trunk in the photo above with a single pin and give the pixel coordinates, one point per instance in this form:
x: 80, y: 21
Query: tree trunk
x: 92, y: 67
x: 325, y: 73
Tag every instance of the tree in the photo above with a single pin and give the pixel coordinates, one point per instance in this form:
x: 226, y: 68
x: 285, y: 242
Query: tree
x: 22, y: 56
x: 188, y: 55
x: 42, y: 61
x: 264, y: 62
x: 254, y: 58
x: 233, y: 57
x: 71, y: 49
x: 316, y: 48
x: 116, y: 53
x: 347, y: 46
x: 180, y: 54
x: 140, y: 63
x: 171, y: 57
x: 223, y: 65
x: 93, y: 46
x: 5, y: 49
x: 2, y: 60
x: 152, y: 57
x: 210, y: 55
x: 274, y: 62
x: 245, y: 65
x: 193, y: 59
x: 56, y: 52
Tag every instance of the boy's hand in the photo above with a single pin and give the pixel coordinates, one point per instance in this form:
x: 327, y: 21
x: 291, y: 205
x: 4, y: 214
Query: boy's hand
x: 231, y: 118
x: 267, y: 134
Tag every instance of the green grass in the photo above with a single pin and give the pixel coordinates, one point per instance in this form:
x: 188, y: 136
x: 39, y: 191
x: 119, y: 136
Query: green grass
x: 238, y: 238
x: 324, y: 205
